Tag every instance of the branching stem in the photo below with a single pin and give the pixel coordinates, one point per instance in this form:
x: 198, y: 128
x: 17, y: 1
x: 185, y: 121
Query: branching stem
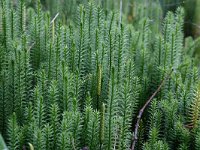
x: 135, y: 133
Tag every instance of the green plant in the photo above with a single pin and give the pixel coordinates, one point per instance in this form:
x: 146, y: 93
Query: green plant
x: 81, y: 85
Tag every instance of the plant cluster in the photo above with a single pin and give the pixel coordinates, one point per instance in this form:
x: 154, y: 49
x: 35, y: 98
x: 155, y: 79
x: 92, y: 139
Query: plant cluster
x: 80, y: 86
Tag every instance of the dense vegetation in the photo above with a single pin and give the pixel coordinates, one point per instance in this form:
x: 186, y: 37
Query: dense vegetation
x: 81, y: 85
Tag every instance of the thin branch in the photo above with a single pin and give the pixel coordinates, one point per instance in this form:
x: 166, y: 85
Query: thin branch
x: 120, y: 17
x: 54, y: 18
x: 135, y: 133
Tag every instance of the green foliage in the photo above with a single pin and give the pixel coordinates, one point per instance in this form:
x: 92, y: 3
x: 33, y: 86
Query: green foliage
x: 81, y: 84
x: 13, y: 132
x: 194, y: 112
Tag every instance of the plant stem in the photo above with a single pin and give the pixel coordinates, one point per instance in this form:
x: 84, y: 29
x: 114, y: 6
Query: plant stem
x: 135, y: 133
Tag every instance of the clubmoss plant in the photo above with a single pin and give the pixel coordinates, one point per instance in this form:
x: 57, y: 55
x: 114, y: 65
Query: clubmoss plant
x: 81, y: 85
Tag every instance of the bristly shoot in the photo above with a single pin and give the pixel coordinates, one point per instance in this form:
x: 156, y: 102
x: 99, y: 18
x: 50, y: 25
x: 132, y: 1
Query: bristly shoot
x: 77, y: 78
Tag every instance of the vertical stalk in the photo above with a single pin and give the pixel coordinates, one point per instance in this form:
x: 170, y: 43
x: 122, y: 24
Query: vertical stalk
x: 102, y: 126
x: 110, y: 44
x: 21, y: 15
x: 99, y: 80
x: 12, y: 24
x: 19, y: 85
x: 4, y: 25
x: 58, y: 51
x: 50, y: 61
x: 111, y: 110
x: 3, y: 111
x: 13, y: 84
